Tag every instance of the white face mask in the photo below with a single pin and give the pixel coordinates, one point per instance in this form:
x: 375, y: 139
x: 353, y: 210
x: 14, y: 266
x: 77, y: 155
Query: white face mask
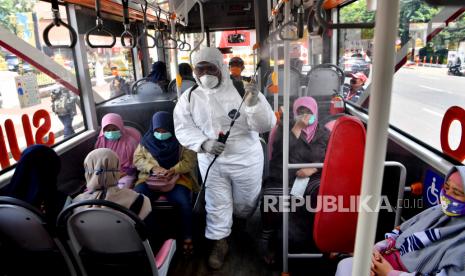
x: 209, y: 81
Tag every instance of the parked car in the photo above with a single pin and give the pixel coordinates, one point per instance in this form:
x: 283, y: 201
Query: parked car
x: 352, y: 65
x: 13, y: 64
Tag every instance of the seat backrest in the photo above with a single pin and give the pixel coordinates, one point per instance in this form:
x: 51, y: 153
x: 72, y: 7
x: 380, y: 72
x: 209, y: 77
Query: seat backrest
x: 108, y: 239
x: 341, y: 178
x: 295, y: 82
x: 148, y: 88
x: 323, y: 81
x: 186, y: 84
x: 26, y: 245
x: 134, y: 133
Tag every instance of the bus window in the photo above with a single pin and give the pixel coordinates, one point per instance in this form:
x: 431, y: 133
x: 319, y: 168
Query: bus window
x: 111, y: 70
x: 432, y: 80
x: 355, y: 45
x: 34, y: 107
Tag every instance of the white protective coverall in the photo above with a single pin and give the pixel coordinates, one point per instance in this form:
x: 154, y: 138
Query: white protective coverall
x: 234, y: 180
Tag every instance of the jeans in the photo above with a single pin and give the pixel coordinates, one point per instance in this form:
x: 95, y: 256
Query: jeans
x: 67, y: 121
x: 181, y: 196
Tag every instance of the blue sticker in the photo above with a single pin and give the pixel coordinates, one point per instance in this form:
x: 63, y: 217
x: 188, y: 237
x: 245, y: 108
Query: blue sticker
x: 432, y: 187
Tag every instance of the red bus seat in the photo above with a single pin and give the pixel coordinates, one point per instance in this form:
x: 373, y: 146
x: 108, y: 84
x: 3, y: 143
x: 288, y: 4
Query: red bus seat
x: 341, y: 176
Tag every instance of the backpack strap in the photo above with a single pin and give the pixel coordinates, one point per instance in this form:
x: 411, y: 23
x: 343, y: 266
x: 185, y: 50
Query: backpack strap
x: 192, y: 89
x: 136, y: 206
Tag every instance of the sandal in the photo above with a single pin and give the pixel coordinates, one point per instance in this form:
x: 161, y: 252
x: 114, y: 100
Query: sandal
x: 188, y: 248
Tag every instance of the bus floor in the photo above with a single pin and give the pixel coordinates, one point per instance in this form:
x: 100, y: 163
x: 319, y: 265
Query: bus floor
x: 244, y: 258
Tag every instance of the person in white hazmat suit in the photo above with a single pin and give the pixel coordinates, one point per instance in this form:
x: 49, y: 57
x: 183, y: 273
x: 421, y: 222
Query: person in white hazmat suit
x: 234, y: 181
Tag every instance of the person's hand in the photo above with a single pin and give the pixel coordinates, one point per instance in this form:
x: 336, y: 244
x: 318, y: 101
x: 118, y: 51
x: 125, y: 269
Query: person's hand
x: 170, y: 172
x: 212, y: 146
x: 306, y: 172
x: 251, y: 93
x: 379, y: 265
x: 158, y: 170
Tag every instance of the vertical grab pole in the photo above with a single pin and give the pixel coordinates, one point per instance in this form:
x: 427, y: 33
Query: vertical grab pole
x: 287, y: 86
x: 275, y: 59
x: 202, y: 28
x: 174, y: 50
x: 375, y: 151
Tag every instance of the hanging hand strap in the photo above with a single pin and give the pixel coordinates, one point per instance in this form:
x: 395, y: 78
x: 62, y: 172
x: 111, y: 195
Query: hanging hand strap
x: 99, y: 29
x: 127, y: 33
x: 57, y: 22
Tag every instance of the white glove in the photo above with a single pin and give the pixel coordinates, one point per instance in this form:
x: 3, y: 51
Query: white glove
x: 251, y: 93
x: 212, y: 146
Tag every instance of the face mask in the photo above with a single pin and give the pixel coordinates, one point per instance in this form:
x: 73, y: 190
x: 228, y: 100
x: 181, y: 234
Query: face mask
x: 162, y: 136
x: 236, y: 71
x: 209, y: 81
x: 311, y: 121
x: 451, y: 206
x: 112, y: 135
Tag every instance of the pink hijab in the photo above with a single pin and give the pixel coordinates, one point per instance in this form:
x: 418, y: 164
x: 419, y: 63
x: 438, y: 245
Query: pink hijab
x: 311, y: 104
x: 124, y: 146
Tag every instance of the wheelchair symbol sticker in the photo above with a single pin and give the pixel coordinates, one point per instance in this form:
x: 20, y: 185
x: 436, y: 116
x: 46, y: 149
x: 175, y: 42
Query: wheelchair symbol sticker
x: 433, y: 184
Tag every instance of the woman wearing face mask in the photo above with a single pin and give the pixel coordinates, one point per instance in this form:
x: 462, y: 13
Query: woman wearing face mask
x: 307, y: 144
x: 160, y: 153
x: 234, y: 180
x: 116, y: 137
x: 430, y: 243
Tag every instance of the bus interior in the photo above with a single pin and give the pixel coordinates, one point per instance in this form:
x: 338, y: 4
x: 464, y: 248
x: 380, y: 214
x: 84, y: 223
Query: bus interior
x: 393, y: 138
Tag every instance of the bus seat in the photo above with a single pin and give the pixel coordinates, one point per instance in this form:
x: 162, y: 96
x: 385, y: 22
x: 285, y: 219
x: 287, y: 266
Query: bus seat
x: 324, y: 81
x: 27, y: 247
x: 295, y: 82
x: 186, y: 84
x: 341, y: 176
x: 112, y: 240
x: 134, y: 133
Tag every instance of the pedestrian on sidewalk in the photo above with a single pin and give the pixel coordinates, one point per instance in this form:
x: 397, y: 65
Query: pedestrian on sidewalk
x: 64, y: 106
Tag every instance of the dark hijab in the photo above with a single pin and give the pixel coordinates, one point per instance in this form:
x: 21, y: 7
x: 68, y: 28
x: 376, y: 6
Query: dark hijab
x: 185, y: 70
x: 158, y: 73
x: 166, y: 152
x: 35, y: 180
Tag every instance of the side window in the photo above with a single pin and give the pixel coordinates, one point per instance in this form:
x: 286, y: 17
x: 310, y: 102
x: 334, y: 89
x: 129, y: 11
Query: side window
x: 111, y: 69
x: 35, y: 108
x: 355, y: 50
x: 431, y: 80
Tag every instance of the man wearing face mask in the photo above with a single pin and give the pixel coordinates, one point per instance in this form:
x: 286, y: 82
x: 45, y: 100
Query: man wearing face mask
x: 353, y: 91
x: 234, y: 180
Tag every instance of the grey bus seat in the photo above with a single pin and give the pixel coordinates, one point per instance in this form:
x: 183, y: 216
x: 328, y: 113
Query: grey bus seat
x: 27, y: 246
x: 186, y: 84
x: 296, y: 78
x: 111, y: 240
x: 324, y: 81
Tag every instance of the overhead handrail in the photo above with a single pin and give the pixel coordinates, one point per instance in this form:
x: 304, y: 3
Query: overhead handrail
x: 127, y: 26
x: 145, y: 31
x: 445, y: 2
x: 300, y: 19
x: 183, y: 45
x: 57, y: 22
x: 160, y: 33
x: 320, y: 15
x: 202, y: 27
x: 99, y: 28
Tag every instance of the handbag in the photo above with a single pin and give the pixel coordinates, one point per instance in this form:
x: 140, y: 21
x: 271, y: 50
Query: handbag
x: 161, y: 183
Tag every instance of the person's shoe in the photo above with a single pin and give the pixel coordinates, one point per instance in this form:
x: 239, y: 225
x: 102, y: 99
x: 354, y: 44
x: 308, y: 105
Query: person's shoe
x: 218, y: 254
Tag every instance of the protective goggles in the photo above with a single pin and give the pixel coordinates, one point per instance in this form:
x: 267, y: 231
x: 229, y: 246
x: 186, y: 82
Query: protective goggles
x: 206, y: 68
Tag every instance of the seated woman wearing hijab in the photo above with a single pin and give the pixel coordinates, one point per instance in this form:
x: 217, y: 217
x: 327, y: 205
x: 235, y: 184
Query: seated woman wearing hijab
x: 116, y: 137
x: 307, y: 144
x: 185, y: 70
x: 102, y: 170
x: 160, y: 153
x: 159, y: 75
x: 35, y: 181
x: 430, y: 243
